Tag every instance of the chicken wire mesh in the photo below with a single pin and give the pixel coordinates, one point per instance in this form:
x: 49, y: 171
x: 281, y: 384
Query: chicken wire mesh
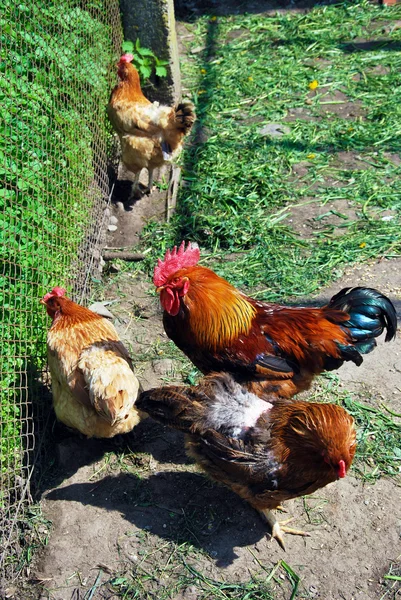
x: 56, y: 71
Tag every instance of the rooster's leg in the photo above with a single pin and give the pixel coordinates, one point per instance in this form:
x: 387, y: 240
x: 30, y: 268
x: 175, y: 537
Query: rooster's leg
x: 277, y: 530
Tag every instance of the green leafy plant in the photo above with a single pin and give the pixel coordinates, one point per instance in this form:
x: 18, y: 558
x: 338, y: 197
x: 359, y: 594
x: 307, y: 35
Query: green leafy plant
x: 50, y: 113
x: 145, y: 61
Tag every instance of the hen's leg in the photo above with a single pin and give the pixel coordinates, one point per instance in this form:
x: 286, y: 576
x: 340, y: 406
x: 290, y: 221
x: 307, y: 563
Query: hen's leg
x: 135, y: 186
x: 277, y: 530
x: 150, y: 183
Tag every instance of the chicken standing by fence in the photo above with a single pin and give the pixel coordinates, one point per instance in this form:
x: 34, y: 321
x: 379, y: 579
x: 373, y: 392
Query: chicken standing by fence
x: 93, y: 382
x: 150, y: 134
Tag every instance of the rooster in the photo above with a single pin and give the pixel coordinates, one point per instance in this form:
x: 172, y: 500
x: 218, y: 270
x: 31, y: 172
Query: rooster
x: 150, y: 134
x: 93, y: 383
x: 276, y: 349
x: 265, y: 451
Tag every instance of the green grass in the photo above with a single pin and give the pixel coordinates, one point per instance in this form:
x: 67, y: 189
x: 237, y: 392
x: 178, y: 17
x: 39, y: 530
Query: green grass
x: 172, y: 569
x: 240, y: 184
x: 54, y: 84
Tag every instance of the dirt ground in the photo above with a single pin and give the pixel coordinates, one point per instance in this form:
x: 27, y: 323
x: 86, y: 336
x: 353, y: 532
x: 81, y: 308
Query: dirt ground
x: 116, y: 507
x: 107, y: 512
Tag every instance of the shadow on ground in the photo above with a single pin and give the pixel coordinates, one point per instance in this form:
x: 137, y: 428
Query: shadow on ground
x: 177, y: 506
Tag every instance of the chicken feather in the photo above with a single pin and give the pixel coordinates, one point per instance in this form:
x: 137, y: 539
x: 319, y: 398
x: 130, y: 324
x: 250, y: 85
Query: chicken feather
x: 276, y: 349
x: 94, y: 386
x: 150, y: 133
x: 266, y: 452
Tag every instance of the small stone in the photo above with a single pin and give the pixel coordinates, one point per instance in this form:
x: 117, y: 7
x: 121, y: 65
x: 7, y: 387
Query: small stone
x: 106, y: 212
x: 113, y: 220
x: 274, y: 130
x: 197, y: 49
x: 163, y: 366
x: 112, y: 228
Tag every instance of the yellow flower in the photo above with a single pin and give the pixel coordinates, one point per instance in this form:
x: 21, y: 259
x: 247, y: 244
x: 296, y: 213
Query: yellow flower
x: 362, y: 245
x: 311, y: 155
x: 250, y: 78
x: 201, y: 92
x: 213, y: 18
x: 313, y: 84
x: 203, y: 71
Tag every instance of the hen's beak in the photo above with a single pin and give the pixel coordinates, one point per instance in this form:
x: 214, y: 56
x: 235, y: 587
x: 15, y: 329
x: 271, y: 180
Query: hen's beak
x: 42, y: 301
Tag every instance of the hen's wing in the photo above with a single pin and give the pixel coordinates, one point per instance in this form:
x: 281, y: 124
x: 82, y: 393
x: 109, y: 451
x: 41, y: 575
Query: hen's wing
x: 139, y: 119
x: 176, y: 406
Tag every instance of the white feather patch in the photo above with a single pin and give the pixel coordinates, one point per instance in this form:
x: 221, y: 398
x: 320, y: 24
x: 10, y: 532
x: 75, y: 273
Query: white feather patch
x: 238, y: 409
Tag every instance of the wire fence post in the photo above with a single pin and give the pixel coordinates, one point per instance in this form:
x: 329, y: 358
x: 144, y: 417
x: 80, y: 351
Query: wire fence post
x: 154, y: 22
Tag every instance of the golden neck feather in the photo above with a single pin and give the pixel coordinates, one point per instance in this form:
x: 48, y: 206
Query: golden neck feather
x: 218, y: 312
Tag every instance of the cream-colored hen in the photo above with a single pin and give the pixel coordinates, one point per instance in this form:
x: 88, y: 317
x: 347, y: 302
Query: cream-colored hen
x: 93, y: 382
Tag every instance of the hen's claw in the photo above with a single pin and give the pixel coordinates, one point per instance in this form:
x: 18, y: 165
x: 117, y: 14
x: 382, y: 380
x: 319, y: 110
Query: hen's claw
x: 279, y: 528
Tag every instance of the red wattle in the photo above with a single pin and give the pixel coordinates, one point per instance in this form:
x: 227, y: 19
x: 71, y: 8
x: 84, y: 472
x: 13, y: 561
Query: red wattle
x: 170, y: 301
x: 341, y: 469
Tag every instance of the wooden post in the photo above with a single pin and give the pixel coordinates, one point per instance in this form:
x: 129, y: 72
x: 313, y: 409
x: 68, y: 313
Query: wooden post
x: 153, y: 22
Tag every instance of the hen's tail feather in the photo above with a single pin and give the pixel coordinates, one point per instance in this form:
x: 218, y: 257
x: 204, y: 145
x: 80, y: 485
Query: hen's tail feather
x: 185, y: 115
x: 370, y: 312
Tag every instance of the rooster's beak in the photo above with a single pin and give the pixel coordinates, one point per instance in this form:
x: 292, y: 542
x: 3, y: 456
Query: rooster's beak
x: 159, y: 289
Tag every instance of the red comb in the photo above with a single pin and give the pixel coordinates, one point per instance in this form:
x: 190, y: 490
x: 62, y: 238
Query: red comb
x: 174, y: 260
x: 59, y: 292
x: 126, y: 58
x: 341, y: 469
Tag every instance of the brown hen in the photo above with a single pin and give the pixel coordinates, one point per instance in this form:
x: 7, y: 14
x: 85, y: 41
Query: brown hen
x: 150, y: 134
x: 266, y: 452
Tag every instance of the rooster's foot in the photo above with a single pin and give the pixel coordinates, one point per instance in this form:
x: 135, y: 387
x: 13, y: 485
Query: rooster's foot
x: 278, y: 529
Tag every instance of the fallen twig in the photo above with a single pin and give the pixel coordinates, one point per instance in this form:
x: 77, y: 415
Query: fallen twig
x: 128, y: 256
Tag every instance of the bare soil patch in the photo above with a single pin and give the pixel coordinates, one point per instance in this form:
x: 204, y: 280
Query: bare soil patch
x: 338, y: 103
x: 349, y: 161
x: 118, y: 509
x: 299, y: 113
x: 307, y: 219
